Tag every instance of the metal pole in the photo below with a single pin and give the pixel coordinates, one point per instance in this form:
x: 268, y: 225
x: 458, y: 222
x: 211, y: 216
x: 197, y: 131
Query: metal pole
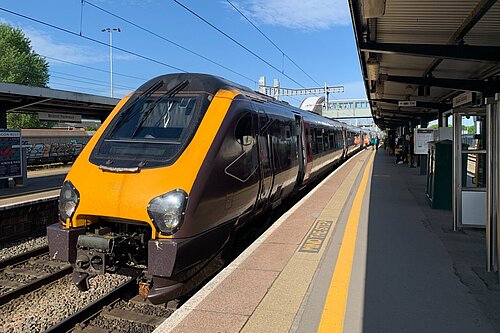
x: 326, y: 98
x: 490, y: 184
x: 111, y: 61
x: 3, y: 116
x: 110, y: 31
x: 496, y: 188
x: 457, y: 170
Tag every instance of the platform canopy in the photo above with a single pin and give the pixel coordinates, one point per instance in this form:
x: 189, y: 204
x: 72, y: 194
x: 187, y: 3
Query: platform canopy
x: 427, y: 52
x: 19, y: 98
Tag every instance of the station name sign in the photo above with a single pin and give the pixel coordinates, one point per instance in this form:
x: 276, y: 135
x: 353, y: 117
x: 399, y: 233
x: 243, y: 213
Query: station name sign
x: 464, y: 98
x: 59, y: 117
x: 407, y: 103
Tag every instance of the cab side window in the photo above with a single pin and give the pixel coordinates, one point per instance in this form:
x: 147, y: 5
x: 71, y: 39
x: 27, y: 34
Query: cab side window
x: 243, y: 132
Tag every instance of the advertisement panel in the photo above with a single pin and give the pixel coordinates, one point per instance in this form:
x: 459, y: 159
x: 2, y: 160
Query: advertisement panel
x: 10, y: 153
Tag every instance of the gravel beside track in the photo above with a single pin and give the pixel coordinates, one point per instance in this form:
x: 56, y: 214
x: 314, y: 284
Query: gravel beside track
x: 47, y: 306
x: 121, y: 326
x: 12, y: 249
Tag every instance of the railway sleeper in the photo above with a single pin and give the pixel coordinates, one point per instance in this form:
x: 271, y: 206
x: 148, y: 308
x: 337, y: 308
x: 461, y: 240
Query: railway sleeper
x: 135, y: 317
x: 90, y: 329
x: 25, y: 272
x: 8, y: 284
x: 50, y: 263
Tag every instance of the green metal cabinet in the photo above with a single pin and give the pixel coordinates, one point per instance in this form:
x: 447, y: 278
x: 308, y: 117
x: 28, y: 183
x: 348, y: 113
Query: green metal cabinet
x: 440, y: 174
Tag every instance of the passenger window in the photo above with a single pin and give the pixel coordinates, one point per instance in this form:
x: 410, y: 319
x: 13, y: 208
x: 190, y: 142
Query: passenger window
x: 243, y: 131
x: 319, y: 139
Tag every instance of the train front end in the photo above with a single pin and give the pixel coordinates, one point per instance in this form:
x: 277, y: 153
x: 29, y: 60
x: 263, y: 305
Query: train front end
x: 124, y: 206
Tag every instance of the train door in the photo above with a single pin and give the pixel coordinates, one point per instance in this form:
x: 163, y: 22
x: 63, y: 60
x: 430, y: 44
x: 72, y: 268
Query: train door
x: 265, y: 159
x: 345, y: 142
x: 301, y: 148
x: 308, y: 142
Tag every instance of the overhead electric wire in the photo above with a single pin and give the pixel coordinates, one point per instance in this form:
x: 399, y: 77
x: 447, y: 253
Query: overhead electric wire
x: 91, y: 39
x: 72, y: 86
x: 274, y: 44
x: 88, y: 80
x: 93, y: 83
x: 168, y: 40
x: 236, y: 42
x: 93, y: 68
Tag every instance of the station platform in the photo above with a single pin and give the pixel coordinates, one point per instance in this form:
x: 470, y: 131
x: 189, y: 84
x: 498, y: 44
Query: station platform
x: 363, y: 252
x: 42, y: 185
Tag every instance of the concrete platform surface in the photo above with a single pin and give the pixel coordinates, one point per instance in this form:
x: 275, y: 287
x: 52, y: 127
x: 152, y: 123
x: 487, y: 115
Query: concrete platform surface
x: 382, y: 259
x: 38, y: 181
x: 42, y: 185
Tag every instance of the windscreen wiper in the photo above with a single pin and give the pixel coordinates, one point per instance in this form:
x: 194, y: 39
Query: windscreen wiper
x: 125, y: 117
x: 168, y: 94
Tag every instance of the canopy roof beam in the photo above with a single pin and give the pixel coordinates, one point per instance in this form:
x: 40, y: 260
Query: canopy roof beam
x: 458, y: 52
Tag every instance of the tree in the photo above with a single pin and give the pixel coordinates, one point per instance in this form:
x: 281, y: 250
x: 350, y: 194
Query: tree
x: 469, y: 129
x: 20, y: 64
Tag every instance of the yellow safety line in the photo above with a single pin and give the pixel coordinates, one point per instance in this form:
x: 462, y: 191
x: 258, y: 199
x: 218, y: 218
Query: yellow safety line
x: 332, y: 319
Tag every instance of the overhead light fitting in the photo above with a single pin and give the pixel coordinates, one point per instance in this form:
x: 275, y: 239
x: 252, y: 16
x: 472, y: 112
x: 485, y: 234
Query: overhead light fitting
x: 373, y: 68
x: 373, y: 8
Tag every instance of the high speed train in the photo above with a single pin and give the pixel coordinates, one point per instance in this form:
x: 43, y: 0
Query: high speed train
x: 176, y: 169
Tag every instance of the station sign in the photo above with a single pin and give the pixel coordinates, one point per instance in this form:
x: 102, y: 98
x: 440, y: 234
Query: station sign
x: 60, y: 117
x: 10, y: 153
x: 464, y: 98
x: 407, y: 103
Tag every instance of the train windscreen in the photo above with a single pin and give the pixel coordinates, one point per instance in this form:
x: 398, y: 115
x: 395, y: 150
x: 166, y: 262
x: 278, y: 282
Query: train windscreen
x: 151, y: 131
x: 163, y: 120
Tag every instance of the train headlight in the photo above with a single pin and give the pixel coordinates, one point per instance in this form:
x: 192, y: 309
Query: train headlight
x: 68, y: 201
x: 167, y: 211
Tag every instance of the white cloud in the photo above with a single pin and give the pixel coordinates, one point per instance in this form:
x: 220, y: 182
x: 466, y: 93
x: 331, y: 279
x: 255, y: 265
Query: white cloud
x: 297, y: 14
x: 44, y: 45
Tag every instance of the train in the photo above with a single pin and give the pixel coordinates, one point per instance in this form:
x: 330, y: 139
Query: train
x: 177, y: 168
x: 46, y: 146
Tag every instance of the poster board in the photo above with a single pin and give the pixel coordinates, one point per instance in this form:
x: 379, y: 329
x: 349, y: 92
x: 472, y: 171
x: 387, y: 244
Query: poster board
x: 422, y: 138
x: 10, y: 153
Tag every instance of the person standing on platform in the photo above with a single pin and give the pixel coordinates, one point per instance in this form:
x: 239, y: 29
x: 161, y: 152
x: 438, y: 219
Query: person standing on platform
x: 373, y: 142
x: 377, y: 141
x: 392, y: 145
x: 411, y: 161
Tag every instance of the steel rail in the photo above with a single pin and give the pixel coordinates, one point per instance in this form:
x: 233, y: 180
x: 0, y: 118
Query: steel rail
x: 92, y: 309
x: 34, y: 285
x: 23, y: 257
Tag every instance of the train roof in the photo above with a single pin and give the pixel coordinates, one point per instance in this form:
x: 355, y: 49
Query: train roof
x: 211, y: 84
x: 197, y: 82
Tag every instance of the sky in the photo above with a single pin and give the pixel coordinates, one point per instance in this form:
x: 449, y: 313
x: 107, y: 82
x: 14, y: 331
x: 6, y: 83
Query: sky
x: 316, y: 35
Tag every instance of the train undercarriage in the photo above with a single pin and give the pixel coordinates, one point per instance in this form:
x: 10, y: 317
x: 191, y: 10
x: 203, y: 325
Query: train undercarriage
x: 165, y: 268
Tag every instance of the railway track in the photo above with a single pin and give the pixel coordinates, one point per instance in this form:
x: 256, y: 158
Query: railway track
x: 121, y: 310
x: 25, y: 273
